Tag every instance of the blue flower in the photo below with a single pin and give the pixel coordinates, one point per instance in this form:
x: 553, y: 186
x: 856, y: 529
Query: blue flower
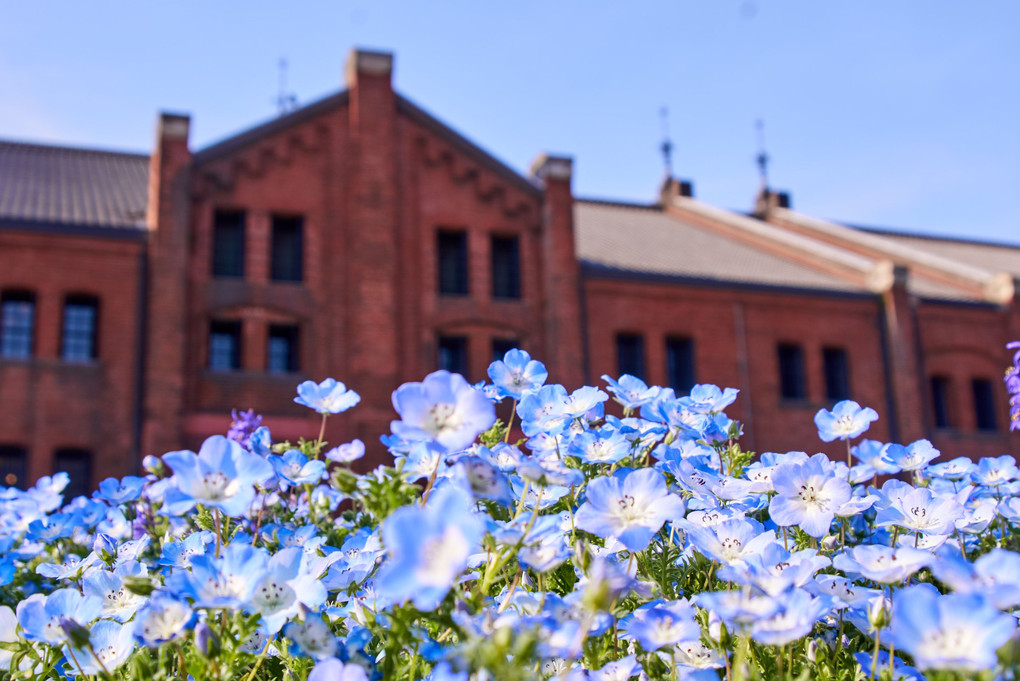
x: 116, y: 492
x: 808, y: 495
x: 517, y: 374
x: 731, y: 540
x: 995, y: 471
x: 846, y: 421
x: 110, y: 645
x: 882, y: 564
x: 544, y: 411
x: 706, y: 398
x: 913, y: 457
x: 995, y: 575
x: 163, y: 619
x: 429, y: 547
x: 630, y: 391
x: 40, y: 615
x: 444, y: 408
x: 295, y: 468
x: 222, y: 475
x: 659, y: 624
x: 795, y: 620
x: 631, y: 507
x: 332, y: 669
x: 959, y: 632
x: 225, y: 582
x: 328, y: 397
x: 347, y: 452
x: 599, y: 446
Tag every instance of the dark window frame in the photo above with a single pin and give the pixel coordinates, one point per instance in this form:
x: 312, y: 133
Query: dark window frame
x: 792, y: 376
x: 505, y: 263
x: 452, y: 353
x: 983, y: 393
x: 500, y: 346
x: 452, y: 266
x: 292, y: 334
x: 225, y: 328
x: 682, y: 376
x: 630, y: 354
x: 228, y: 244
x: 81, y: 484
x: 836, y: 367
x: 940, y: 387
x: 15, y: 335
x: 73, y: 337
x: 287, y: 248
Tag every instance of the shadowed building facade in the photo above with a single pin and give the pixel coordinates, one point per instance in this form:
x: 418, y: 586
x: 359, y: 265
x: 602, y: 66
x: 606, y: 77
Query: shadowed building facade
x: 145, y: 296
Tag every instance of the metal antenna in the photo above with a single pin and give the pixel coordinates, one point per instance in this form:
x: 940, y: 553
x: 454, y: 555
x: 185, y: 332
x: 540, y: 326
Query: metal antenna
x: 763, y: 158
x: 667, y: 145
x: 285, y: 101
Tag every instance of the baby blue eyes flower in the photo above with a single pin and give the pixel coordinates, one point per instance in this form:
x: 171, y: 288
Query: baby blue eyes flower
x: 110, y: 644
x: 846, y: 421
x: 958, y: 632
x: 116, y: 492
x: 661, y: 625
x: 517, y: 374
x: 444, y: 408
x: 808, y: 495
x: 429, y: 547
x: 163, y: 619
x: 295, y: 468
x: 632, y: 507
x: 631, y: 392
x: 222, y: 475
x: 706, y: 398
x: 996, y: 471
x: 882, y: 564
x: 332, y: 669
x: 328, y: 397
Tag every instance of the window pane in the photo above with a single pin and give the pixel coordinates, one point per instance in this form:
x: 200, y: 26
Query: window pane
x: 501, y: 346
x: 506, y: 274
x: 791, y: 372
x: 287, y: 253
x: 282, y: 350
x: 17, y: 325
x: 984, y: 404
x: 940, y: 401
x: 630, y: 355
x: 78, y: 342
x: 77, y: 463
x: 12, y: 466
x: 225, y: 346
x: 680, y: 364
x: 453, y: 267
x: 453, y: 354
x: 837, y: 382
x: 228, y: 244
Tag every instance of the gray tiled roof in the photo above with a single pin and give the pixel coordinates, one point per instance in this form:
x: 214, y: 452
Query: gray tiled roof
x: 991, y: 256
x: 75, y: 187
x: 647, y: 241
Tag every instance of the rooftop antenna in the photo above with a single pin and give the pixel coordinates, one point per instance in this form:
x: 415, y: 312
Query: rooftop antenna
x: 667, y: 145
x: 285, y: 101
x: 763, y: 158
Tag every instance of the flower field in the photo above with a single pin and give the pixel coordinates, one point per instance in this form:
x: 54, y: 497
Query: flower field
x: 650, y: 546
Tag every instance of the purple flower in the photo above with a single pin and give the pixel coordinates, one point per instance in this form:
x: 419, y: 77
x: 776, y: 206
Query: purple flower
x: 1012, y: 381
x: 243, y: 425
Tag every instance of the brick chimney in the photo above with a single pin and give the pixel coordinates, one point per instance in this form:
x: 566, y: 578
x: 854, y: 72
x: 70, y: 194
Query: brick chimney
x: 767, y: 200
x: 168, y: 219
x: 672, y: 188
x: 561, y: 272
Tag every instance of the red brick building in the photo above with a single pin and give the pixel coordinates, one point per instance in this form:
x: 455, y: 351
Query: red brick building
x: 144, y: 297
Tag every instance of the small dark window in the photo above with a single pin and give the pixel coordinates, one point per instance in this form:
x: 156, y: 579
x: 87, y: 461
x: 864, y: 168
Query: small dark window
x: 287, y: 255
x: 837, y: 378
x: 940, y: 401
x: 282, y: 348
x: 506, y: 267
x: 453, y: 354
x: 791, y: 372
x: 17, y: 324
x: 225, y: 345
x: 680, y: 364
x: 77, y: 463
x: 984, y: 404
x: 453, y: 264
x: 501, y: 346
x: 228, y: 244
x: 78, y: 341
x: 630, y: 355
x: 12, y: 466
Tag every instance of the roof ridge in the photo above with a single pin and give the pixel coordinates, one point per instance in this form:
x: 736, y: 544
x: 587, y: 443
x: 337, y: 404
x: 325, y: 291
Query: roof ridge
x: 927, y: 236
x: 618, y: 203
x: 72, y: 148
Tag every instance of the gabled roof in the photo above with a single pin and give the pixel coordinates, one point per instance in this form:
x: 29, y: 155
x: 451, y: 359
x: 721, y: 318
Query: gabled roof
x: 617, y: 239
x: 56, y: 187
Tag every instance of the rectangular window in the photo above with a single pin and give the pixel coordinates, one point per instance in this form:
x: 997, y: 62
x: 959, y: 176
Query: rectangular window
x: 453, y: 354
x: 791, y: 372
x: 501, y: 346
x: 837, y: 378
x: 228, y: 244
x: 286, y: 257
x: 17, y: 324
x: 984, y: 404
x: 940, y: 401
x: 78, y: 340
x: 12, y: 466
x: 680, y: 364
x: 77, y: 463
x: 506, y: 267
x: 630, y: 355
x: 282, y: 349
x: 453, y: 263
x: 225, y: 345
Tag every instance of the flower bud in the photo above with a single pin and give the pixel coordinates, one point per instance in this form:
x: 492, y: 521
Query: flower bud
x: 206, y: 640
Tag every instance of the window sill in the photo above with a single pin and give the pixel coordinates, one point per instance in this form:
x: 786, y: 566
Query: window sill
x: 797, y: 403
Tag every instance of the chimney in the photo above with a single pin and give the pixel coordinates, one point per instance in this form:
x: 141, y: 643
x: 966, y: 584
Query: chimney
x: 768, y: 200
x: 672, y: 188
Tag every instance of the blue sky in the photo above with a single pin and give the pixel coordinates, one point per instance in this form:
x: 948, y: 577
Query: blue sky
x: 898, y: 114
